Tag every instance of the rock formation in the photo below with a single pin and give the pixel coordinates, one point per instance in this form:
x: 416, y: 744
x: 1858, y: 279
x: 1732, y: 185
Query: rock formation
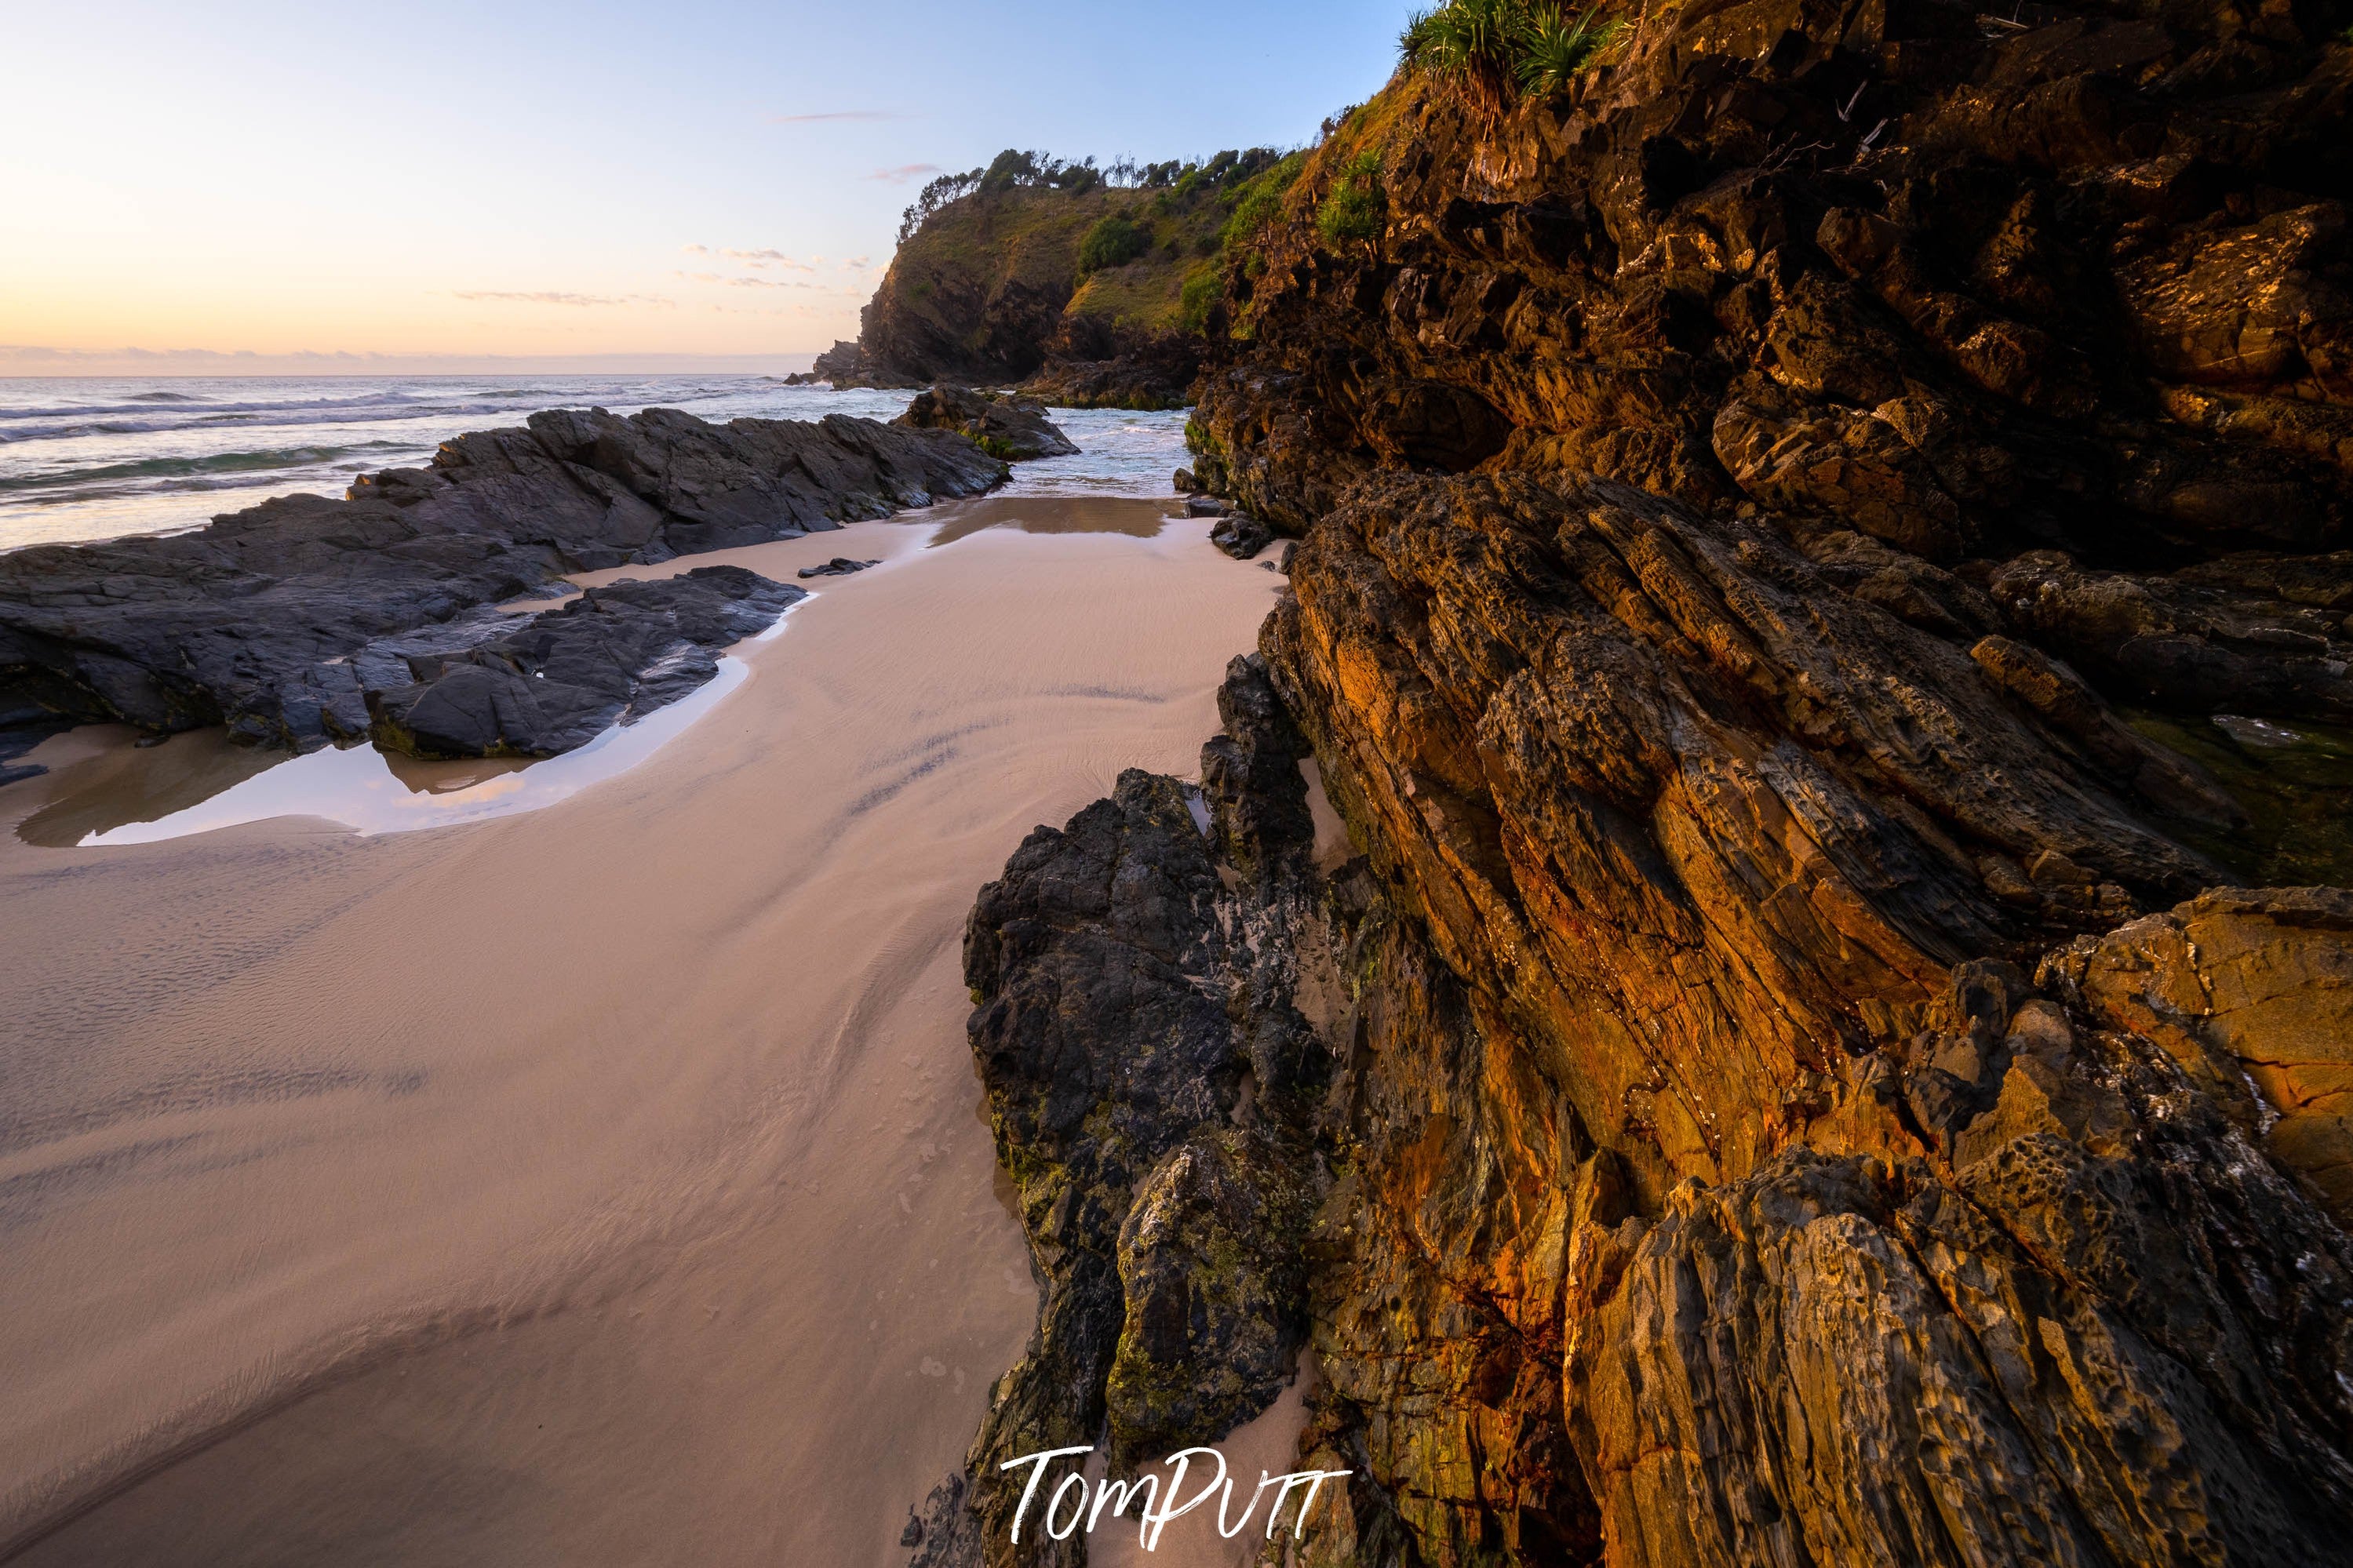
x: 839, y: 566
x: 847, y: 365
x: 1819, y: 603
x: 288, y: 620
x: 559, y: 678
x: 1005, y: 425
x: 1003, y: 275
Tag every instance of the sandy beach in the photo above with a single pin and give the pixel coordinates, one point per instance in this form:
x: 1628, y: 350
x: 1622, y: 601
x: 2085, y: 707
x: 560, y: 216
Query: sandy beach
x: 597, y: 1184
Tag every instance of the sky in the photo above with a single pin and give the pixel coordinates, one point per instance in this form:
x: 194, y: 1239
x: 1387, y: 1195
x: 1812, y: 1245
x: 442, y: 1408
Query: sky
x: 622, y: 186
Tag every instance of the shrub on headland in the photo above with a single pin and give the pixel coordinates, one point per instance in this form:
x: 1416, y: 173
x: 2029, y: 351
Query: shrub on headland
x: 1498, y: 50
x: 1114, y: 241
x: 1356, y: 209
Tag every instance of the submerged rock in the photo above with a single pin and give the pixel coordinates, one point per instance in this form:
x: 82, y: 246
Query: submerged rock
x: 1006, y: 424
x: 280, y: 620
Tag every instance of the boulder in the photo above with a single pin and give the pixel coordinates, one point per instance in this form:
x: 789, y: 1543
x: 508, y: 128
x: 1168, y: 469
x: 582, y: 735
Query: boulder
x: 1240, y: 535
x: 1006, y: 425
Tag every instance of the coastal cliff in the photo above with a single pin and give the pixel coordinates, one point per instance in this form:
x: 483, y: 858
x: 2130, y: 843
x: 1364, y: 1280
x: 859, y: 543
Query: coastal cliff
x: 1821, y: 605
x: 1092, y: 287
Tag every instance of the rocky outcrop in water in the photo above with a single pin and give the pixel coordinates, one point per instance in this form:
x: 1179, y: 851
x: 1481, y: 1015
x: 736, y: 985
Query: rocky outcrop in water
x: 1820, y: 580
x: 1093, y: 370
x: 280, y: 621
x: 847, y: 365
x: 1005, y: 425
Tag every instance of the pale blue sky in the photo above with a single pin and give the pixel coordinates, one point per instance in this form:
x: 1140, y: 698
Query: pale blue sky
x: 441, y: 178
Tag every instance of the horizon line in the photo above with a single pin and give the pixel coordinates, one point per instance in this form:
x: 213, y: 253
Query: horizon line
x: 190, y: 363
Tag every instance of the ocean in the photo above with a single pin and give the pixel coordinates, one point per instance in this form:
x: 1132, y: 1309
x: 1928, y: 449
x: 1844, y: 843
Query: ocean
x: 86, y: 459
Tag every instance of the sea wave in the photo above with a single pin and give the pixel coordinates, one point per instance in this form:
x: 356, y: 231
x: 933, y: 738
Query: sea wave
x: 190, y: 467
x: 143, y: 402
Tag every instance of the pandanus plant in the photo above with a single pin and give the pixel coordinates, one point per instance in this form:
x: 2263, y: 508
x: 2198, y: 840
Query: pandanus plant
x: 1497, y: 51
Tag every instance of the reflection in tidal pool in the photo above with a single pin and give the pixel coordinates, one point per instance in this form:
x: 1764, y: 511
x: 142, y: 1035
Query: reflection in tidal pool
x: 1136, y: 519
x: 221, y: 786
x: 200, y: 781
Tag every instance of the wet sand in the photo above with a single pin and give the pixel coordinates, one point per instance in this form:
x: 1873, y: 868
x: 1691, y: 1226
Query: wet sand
x: 600, y: 1184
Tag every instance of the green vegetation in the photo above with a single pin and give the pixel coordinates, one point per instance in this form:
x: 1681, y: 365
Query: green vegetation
x: 1356, y: 209
x: 1114, y: 241
x: 1199, y: 296
x: 1496, y: 51
x: 1139, y: 248
x: 1257, y: 202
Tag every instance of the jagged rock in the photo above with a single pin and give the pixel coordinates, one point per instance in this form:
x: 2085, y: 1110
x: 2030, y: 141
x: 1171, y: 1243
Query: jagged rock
x: 839, y: 566
x: 1006, y: 425
x: 281, y: 619
x: 1132, y: 975
x: 1838, y: 1360
x: 554, y: 683
x: 1151, y: 376
x: 1805, y: 1090
x: 944, y: 1532
x: 2251, y: 992
x: 1240, y: 535
x: 2222, y: 636
x: 1213, y: 1280
x: 847, y: 365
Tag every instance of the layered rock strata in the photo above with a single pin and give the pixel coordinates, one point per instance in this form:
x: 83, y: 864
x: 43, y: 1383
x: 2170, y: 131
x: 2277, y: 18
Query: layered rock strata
x: 1820, y: 580
x: 284, y: 620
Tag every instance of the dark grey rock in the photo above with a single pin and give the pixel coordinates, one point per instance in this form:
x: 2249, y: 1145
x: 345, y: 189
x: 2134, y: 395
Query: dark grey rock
x: 943, y: 1533
x: 1240, y: 535
x: 1152, y: 1085
x: 555, y: 682
x: 17, y: 773
x: 848, y: 364
x: 278, y: 620
x: 839, y: 566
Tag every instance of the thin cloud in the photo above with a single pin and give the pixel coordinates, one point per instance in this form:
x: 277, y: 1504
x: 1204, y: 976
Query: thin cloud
x: 722, y: 280
x: 555, y: 297
x: 764, y: 257
x: 904, y: 172
x: 837, y: 114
